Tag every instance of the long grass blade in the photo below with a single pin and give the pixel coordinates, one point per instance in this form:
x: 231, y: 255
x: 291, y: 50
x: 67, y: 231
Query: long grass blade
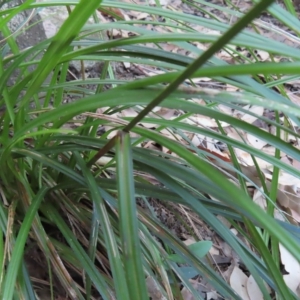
x: 128, y: 220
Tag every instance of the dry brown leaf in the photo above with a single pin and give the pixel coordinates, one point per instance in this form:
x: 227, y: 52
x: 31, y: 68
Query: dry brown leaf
x: 228, y: 54
x: 186, y: 294
x: 197, y: 139
x: 212, y: 296
x: 169, y: 134
x: 259, y: 199
x: 244, y: 157
x: 156, y: 109
x: 294, y: 98
x: 227, y: 250
x: 162, y: 2
x: 270, y: 150
x: 129, y: 113
x: 166, y: 150
x: 142, y: 16
x: 279, y: 215
x: 234, y: 231
x: 104, y: 160
x: 289, y: 198
x: 205, y: 30
x: 224, y: 221
x: 222, y: 155
x: 204, y: 121
x: 226, y: 274
x: 149, y: 125
x: 285, y: 179
x: 286, y: 160
x: 291, y: 122
x: 170, y: 47
x: 231, y: 88
x: 167, y: 113
x: 214, y: 251
x: 112, y: 133
x: 154, y: 73
x: 295, y: 215
x: 127, y: 65
x: 264, y: 165
x: 255, y: 141
x: 238, y: 282
x: 177, y: 4
x: 151, y: 145
x: 251, y: 173
x: 292, y: 266
x: 263, y: 55
x: 201, y: 79
x: 201, y: 120
x: 253, y: 289
x: 296, y: 164
x: 189, y: 241
x: 225, y: 109
x: 239, y: 136
x: 198, y: 101
x: 258, y: 110
x: 154, y: 290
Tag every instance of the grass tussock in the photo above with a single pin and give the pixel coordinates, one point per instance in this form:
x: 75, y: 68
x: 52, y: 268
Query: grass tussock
x: 133, y: 115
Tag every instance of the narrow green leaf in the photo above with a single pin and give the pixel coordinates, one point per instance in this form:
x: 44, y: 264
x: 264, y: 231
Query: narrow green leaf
x: 132, y: 257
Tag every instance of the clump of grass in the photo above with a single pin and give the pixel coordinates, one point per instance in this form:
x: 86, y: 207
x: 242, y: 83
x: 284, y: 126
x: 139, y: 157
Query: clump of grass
x: 72, y: 193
